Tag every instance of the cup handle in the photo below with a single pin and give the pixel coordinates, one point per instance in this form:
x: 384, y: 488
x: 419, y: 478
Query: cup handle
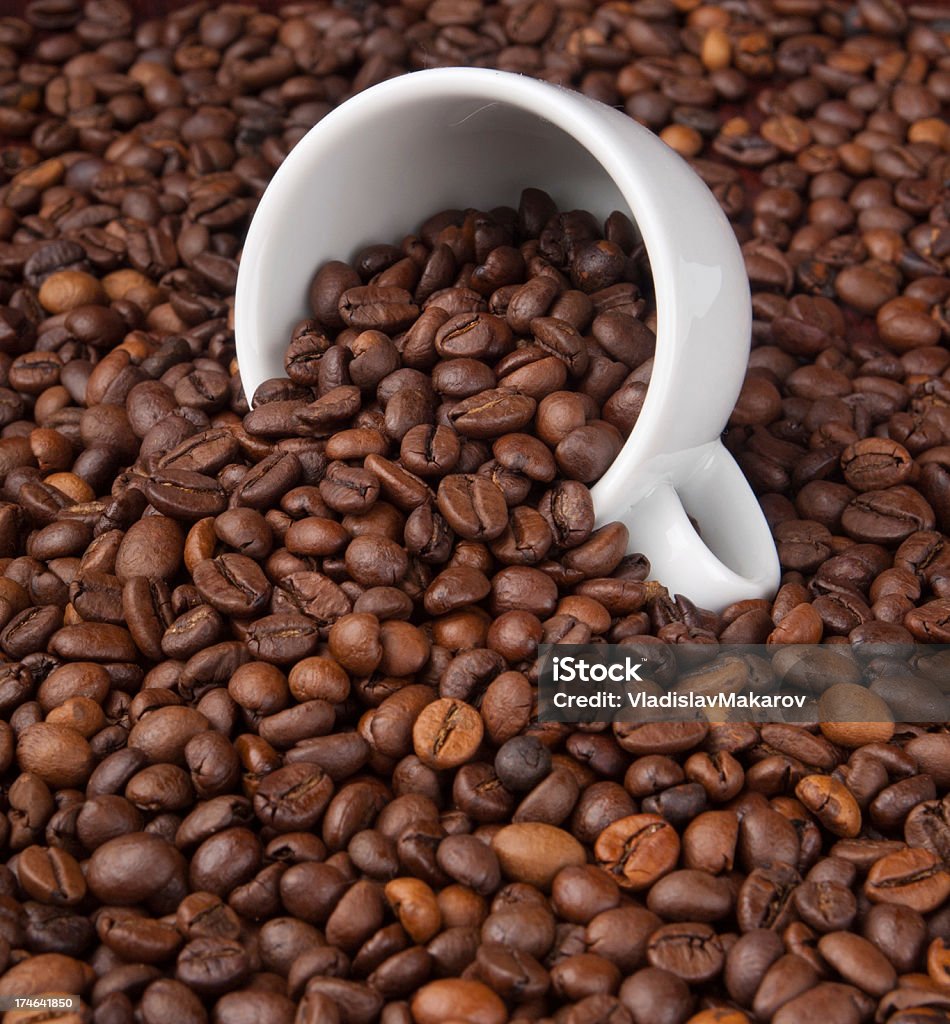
x: 733, y: 560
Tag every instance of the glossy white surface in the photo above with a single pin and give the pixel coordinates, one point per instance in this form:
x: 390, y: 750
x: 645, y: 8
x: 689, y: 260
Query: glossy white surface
x: 390, y: 156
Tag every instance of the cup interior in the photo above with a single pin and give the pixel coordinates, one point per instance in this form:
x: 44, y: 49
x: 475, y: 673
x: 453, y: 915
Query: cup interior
x: 374, y: 171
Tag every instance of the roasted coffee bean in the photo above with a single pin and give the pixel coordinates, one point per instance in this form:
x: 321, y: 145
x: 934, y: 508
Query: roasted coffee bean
x: 691, y: 951
x: 447, y: 733
x: 832, y: 802
x: 690, y: 896
x: 51, y: 876
x: 858, y: 962
x: 912, y: 877
x: 185, y: 495
x: 492, y: 413
x: 534, y: 852
x: 569, y: 513
x: 473, y: 506
x: 638, y: 850
x: 521, y: 763
x: 874, y: 464
x: 293, y: 798
x: 232, y: 584
x: 371, y: 307
x: 656, y: 995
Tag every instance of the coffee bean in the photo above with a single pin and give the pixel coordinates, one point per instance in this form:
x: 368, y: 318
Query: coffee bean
x: 691, y: 951
x: 784, y: 980
x: 521, y: 763
x: 492, y: 413
x: 447, y: 733
x: 370, y: 307
x: 151, y: 547
x: 474, y: 1000
x: 911, y: 877
x: 896, y: 930
x: 535, y: 852
x: 57, y: 754
x: 36, y: 974
x: 473, y: 506
x: 183, y: 494
x: 638, y: 850
x: 212, y: 966
x: 690, y: 896
x: 480, y: 336
x: 293, y: 798
x: 887, y: 516
x: 51, y: 876
x: 830, y: 800
x: 232, y: 584
x: 133, y: 868
x: 858, y: 962
x: 841, y: 703
x: 874, y: 464
x: 763, y: 900
x: 655, y: 994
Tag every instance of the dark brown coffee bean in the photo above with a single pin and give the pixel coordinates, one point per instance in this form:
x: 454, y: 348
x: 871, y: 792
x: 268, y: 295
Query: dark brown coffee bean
x: 690, y: 896
x: 293, y: 798
x: 887, y: 516
x: 473, y: 506
x: 587, y: 451
x: 858, y: 962
x: 232, y: 584
x: 474, y: 336
x: 897, y: 931
x: 569, y: 512
x: 655, y: 994
x: 875, y: 464
x: 57, y: 754
x: 151, y: 547
x: 428, y: 450
x: 51, y: 876
x: 211, y: 966
x: 371, y: 307
x: 271, y: 478
x: 561, y: 339
x: 912, y: 877
x: 348, y: 489
x: 283, y: 639
x: 133, y: 868
x: 764, y: 898
x: 492, y: 413
x: 205, y: 453
x: 748, y: 962
x: 692, y: 951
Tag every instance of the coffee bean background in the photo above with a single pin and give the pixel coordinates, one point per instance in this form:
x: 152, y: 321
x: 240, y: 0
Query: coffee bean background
x: 267, y: 746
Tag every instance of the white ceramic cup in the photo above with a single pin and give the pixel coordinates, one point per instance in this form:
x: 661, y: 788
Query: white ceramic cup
x: 388, y: 158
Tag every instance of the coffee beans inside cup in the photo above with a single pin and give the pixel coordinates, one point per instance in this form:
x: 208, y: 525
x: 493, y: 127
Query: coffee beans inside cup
x: 514, y: 346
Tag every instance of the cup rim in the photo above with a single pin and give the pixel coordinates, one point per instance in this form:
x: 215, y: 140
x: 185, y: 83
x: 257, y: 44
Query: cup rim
x: 641, y: 188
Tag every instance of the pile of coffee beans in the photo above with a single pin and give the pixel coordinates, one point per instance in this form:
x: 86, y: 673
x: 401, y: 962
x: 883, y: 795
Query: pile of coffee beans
x: 267, y: 745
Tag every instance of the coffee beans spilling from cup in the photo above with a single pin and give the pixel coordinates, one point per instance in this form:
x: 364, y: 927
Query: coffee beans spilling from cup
x: 267, y: 745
